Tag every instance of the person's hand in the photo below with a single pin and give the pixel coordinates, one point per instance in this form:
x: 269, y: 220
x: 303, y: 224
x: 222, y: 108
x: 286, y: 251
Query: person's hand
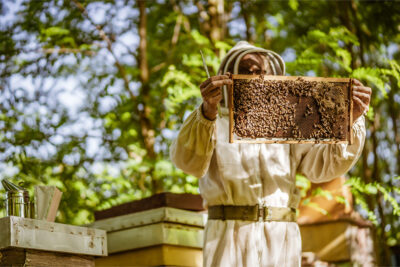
x: 212, y: 94
x: 361, y: 99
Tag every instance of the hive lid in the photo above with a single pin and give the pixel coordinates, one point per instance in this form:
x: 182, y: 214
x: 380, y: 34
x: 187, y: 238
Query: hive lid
x: 163, y: 214
x: 48, y: 236
x: 180, y: 201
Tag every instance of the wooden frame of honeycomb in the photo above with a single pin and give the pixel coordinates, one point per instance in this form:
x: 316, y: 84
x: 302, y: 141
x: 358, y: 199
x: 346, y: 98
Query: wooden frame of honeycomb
x: 290, y: 109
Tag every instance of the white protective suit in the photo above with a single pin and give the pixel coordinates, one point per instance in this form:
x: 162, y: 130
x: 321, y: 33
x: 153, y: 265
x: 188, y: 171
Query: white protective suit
x: 250, y: 174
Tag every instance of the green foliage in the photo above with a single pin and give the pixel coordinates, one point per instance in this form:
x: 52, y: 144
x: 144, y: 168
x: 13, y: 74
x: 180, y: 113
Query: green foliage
x: 303, y: 184
x: 320, y: 49
x: 323, y: 193
x: 360, y: 190
x: 342, y: 200
x: 316, y: 207
x: 179, y: 87
x: 294, y: 4
x: 373, y: 76
x: 57, y: 36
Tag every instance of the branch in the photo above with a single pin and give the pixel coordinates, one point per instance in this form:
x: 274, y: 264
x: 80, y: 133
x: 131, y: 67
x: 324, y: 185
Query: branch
x: 106, y: 39
x: 144, y: 69
x: 158, y: 67
x: 66, y: 51
x: 177, y: 30
x: 246, y: 18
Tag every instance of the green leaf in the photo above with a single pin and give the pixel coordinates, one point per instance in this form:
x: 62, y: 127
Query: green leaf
x: 371, y: 189
x: 343, y: 200
x: 316, y: 207
x: 293, y: 4
x: 55, y: 31
x: 371, y: 75
x: 323, y: 193
x: 199, y: 39
x: 370, y: 113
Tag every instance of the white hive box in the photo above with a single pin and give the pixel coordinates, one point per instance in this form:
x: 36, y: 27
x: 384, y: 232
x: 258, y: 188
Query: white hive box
x: 48, y: 242
x: 160, y: 236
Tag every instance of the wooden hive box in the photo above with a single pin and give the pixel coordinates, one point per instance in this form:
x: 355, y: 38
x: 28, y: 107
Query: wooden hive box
x: 157, y: 237
x: 165, y: 229
x: 290, y: 109
x: 30, y: 242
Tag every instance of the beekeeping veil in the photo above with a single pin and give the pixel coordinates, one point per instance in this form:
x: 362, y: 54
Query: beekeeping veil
x: 235, y: 55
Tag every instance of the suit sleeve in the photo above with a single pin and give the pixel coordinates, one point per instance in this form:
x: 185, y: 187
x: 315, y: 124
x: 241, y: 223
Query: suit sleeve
x: 191, y: 151
x: 324, y: 162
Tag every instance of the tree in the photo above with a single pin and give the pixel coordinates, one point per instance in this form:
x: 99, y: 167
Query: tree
x: 93, y: 92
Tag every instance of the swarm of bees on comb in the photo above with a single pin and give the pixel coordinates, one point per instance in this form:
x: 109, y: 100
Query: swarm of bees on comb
x: 290, y: 109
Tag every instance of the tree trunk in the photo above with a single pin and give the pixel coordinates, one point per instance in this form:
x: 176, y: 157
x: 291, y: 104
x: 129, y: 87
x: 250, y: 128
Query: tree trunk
x: 245, y: 14
x: 147, y: 129
x: 358, y: 32
x: 343, y: 10
x: 384, y: 258
x: 393, y: 112
x: 216, y: 13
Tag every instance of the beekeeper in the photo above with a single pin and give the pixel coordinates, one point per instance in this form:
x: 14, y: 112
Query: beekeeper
x: 250, y: 189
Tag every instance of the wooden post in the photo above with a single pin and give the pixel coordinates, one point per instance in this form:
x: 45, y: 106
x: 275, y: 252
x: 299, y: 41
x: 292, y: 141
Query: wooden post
x: 230, y: 106
x: 351, y: 111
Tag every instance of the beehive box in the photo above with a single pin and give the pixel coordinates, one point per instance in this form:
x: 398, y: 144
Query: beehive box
x: 290, y: 109
x: 30, y: 242
x: 157, y: 237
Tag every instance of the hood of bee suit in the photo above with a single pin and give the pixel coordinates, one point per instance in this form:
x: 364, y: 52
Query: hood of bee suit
x: 242, y: 48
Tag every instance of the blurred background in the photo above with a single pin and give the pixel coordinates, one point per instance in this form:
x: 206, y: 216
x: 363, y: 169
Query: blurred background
x: 93, y: 92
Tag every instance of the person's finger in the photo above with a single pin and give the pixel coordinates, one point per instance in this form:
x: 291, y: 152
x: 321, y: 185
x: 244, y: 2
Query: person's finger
x: 210, y: 90
x: 357, y: 82
x: 215, y: 84
x: 363, y: 89
x: 212, y: 79
x: 212, y: 94
x: 213, y: 99
x: 363, y: 96
x: 216, y: 99
x: 358, y: 103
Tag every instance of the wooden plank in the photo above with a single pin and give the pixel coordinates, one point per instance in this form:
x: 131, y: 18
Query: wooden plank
x: 285, y: 141
x: 290, y: 78
x: 155, y: 234
x: 28, y: 257
x: 48, y: 236
x: 50, y: 259
x: 317, y: 238
x: 351, y: 112
x: 166, y: 199
x: 142, y: 218
x: 12, y: 257
x: 5, y: 233
x: 306, y: 110
x: 230, y: 106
